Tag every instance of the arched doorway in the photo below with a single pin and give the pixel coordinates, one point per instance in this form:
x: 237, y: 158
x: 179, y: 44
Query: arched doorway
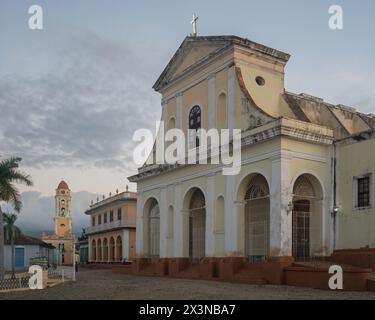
x: 257, y: 219
x: 119, y: 248
x: 112, y: 249
x: 93, y: 250
x: 306, y: 218
x: 197, y: 225
x: 154, y: 230
x: 99, y: 255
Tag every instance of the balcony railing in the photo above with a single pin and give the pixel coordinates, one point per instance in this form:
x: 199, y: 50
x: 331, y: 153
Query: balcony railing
x: 110, y: 225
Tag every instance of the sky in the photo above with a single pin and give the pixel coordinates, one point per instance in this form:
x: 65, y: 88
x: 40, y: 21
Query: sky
x: 72, y: 94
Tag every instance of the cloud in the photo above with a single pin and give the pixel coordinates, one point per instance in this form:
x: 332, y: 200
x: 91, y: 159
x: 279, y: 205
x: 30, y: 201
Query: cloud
x: 85, y: 110
x: 346, y: 86
x: 38, y: 212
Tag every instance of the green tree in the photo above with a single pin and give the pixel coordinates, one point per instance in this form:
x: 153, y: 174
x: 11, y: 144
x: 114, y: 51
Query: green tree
x: 11, y: 234
x: 9, y: 176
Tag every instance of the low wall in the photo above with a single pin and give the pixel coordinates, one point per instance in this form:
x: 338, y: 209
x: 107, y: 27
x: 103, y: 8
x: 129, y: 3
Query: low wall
x: 364, y: 258
x: 318, y: 278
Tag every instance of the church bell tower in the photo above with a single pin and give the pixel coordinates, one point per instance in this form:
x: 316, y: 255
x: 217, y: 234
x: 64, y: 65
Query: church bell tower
x: 63, y: 212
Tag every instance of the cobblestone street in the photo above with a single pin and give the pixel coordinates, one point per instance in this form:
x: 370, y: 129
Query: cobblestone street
x: 103, y: 284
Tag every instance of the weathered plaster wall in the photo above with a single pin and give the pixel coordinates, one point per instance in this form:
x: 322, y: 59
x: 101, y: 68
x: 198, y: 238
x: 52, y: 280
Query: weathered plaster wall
x: 356, y: 227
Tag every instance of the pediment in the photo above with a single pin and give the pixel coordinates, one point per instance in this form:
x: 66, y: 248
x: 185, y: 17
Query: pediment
x: 191, y: 52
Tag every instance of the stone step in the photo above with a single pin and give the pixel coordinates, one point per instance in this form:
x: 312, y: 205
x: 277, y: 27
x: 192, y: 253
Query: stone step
x: 192, y: 272
x: 250, y: 280
x: 123, y: 269
x: 371, y: 282
x: 250, y: 274
x: 148, y: 271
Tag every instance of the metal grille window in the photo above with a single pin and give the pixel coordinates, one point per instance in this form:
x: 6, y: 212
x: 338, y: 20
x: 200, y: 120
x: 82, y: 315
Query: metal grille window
x: 99, y: 219
x: 301, y: 229
x: 363, y: 192
x: 257, y: 223
x: 93, y: 221
x: 197, y: 226
x: 154, y: 231
x: 304, y: 196
x: 119, y: 214
x: 105, y: 217
x: 111, y: 216
x: 194, y: 125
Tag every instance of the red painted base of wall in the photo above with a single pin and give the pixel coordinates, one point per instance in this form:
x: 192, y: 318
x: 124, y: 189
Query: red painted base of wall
x: 176, y: 265
x: 93, y: 265
x: 139, y: 264
x: 229, y: 266
x: 127, y: 269
x: 317, y: 278
x: 209, y: 268
x: 364, y: 258
x: 276, y: 270
x: 161, y: 267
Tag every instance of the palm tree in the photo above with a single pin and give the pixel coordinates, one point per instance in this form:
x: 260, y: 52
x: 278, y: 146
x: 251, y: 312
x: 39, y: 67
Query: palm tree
x: 12, y: 233
x: 9, y: 175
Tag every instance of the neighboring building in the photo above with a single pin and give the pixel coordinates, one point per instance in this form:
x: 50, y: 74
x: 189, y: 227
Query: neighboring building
x: 82, y: 246
x: 306, y: 185
x: 111, y: 236
x: 27, y: 248
x: 62, y: 239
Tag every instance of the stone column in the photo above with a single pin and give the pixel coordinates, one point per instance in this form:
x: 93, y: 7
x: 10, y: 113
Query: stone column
x: 240, y: 218
x: 177, y: 221
x: 90, y: 249
x: 164, y: 116
x: 108, y: 250
x: 178, y: 110
x: 139, y: 238
x: 280, y: 217
x: 102, y: 250
x: 163, y: 222
x: 185, y: 214
x: 231, y: 242
x: 230, y: 96
x: 116, y: 245
x: 211, y: 101
x: 210, y: 215
x: 125, y: 244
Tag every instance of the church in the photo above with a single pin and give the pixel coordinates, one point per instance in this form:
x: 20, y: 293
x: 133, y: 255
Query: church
x: 62, y: 239
x: 305, y: 188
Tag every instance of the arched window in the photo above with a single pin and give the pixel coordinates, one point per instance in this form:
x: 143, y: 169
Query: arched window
x: 221, y: 112
x: 172, y: 123
x: 195, y: 120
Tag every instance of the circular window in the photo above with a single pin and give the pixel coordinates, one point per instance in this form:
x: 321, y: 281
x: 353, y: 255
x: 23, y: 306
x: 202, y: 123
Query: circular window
x: 260, y: 81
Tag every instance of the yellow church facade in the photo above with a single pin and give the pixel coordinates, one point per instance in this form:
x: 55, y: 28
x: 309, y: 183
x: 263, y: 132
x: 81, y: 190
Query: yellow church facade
x: 305, y: 187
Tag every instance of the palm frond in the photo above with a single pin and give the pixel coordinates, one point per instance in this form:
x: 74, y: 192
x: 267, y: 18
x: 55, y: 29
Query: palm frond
x: 9, y: 193
x: 11, y: 163
x: 8, y: 176
x: 11, y: 231
x: 20, y: 177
